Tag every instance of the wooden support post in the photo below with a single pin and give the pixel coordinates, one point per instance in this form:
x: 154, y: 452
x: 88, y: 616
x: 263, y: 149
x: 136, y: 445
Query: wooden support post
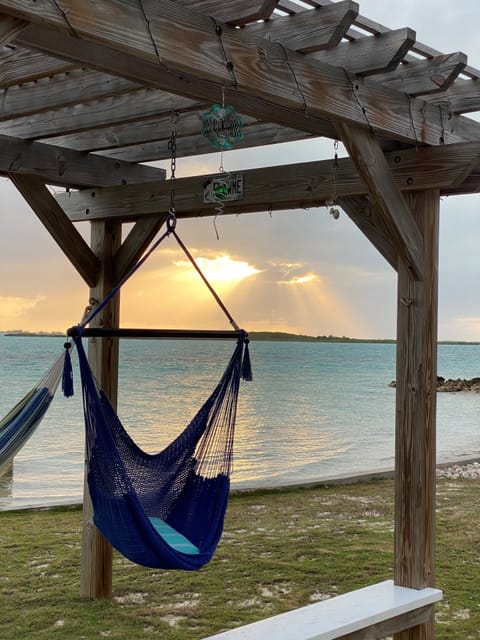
x: 415, y: 457
x: 96, y: 569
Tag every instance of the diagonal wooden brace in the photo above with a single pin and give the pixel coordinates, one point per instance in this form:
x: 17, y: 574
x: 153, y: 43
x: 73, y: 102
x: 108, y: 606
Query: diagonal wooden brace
x: 372, y: 166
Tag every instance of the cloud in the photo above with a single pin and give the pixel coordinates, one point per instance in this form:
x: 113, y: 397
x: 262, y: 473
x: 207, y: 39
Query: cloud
x: 276, y: 256
x: 460, y: 328
x: 15, y: 309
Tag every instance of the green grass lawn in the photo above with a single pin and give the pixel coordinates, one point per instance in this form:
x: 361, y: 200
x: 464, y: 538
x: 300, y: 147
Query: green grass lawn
x: 280, y: 550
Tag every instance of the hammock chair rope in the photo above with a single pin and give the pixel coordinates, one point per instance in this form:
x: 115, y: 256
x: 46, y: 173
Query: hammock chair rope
x: 163, y: 510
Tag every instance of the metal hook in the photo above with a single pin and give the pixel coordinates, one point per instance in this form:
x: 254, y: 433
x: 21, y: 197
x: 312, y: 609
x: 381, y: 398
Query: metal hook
x: 171, y: 221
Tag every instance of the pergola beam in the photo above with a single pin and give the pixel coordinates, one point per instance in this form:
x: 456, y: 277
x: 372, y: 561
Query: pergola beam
x: 463, y: 97
x: 18, y: 66
x: 258, y: 78
x: 129, y: 107
x: 308, y: 32
x: 9, y: 28
x: 65, y: 167
x: 232, y: 11
x: 149, y: 139
x: 76, y: 86
x: 156, y: 148
x: 426, y: 77
x: 367, y: 56
x: 283, y: 187
x: 150, y: 129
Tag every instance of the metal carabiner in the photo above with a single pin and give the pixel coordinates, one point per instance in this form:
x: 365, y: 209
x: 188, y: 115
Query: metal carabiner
x: 171, y: 220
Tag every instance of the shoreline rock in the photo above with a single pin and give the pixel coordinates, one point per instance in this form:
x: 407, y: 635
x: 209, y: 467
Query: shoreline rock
x: 453, y: 385
x: 470, y: 471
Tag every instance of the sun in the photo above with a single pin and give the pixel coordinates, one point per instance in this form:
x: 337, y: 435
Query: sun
x: 223, y: 269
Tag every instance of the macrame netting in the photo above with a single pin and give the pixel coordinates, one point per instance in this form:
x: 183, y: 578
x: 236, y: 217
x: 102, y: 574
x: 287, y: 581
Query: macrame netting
x: 184, y: 486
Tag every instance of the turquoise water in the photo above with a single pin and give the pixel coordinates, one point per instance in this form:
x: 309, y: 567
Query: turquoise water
x: 312, y: 411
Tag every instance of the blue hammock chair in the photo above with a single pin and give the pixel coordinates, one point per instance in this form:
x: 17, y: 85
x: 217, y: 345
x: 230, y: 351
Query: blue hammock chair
x: 20, y: 423
x: 164, y: 510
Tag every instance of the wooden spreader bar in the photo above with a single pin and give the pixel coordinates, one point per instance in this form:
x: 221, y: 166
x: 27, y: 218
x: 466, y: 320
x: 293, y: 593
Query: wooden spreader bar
x: 194, y: 334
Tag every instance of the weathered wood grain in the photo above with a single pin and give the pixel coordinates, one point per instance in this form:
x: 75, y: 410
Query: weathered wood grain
x: 124, y: 108
x: 19, y: 65
x: 310, y: 31
x: 263, y: 76
x: 66, y: 167
x: 255, y: 135
x: 415, y: 431
x: 369, y: 55
x: 274, y: 188
x: 135, y: 244
x: 54, y: 92
x: 9, y: 27
x: 384, y: 192
x: 463, y: 97
x: 233, y: 11
x: 426, y: 77
x: 96, y: 562
x: 372, y: 26
x: 149, y: 129
x: 469, y: 185
x: 58, y: 225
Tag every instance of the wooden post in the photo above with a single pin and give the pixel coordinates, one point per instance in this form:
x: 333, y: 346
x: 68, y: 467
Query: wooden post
x: 96, y: 569
x: 415, y: 456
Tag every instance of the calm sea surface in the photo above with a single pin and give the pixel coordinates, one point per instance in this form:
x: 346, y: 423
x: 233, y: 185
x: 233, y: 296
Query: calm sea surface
x: 312, y: 411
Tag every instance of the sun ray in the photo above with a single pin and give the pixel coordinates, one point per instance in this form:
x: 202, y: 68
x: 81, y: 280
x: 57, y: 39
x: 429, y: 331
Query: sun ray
x: 172, y: 293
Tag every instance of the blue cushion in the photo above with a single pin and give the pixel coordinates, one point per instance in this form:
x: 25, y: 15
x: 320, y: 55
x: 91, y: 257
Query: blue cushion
x: 173, y: 538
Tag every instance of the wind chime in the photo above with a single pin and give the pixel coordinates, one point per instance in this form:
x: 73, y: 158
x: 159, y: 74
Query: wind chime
x: 222, y: 127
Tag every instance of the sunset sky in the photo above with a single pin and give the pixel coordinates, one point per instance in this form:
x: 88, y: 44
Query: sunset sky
x: 298, y: 271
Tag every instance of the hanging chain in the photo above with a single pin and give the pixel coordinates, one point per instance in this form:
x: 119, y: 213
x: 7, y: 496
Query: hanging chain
x: 334, y: 210
x: 222, y: 149
x: 172, y: 145
x: 334, y: 170
x: 223, y: 181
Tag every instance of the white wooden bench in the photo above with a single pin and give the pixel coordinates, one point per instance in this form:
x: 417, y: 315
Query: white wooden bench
x: 376, y: 611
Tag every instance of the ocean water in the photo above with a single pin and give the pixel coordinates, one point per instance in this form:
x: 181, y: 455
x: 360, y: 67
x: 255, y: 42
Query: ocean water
x: 313, y: 410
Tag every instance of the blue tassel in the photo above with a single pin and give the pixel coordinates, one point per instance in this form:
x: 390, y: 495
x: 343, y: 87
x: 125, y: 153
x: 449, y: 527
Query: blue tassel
x: 246, y: 364
x: 67, y: 376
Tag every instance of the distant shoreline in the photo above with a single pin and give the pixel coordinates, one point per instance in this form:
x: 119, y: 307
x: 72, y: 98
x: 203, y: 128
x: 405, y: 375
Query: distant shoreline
x: 272, y: 336
x: 34, y: 334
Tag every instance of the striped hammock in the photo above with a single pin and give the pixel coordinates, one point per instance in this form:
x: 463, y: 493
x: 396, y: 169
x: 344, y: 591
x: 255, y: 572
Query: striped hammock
x: 20, y: 423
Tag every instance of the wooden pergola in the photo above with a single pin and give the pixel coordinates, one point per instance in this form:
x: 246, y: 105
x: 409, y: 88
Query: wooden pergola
x: 88, y: 90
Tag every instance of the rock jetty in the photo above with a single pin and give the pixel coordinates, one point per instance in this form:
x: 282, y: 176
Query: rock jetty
x: 453, y: 386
